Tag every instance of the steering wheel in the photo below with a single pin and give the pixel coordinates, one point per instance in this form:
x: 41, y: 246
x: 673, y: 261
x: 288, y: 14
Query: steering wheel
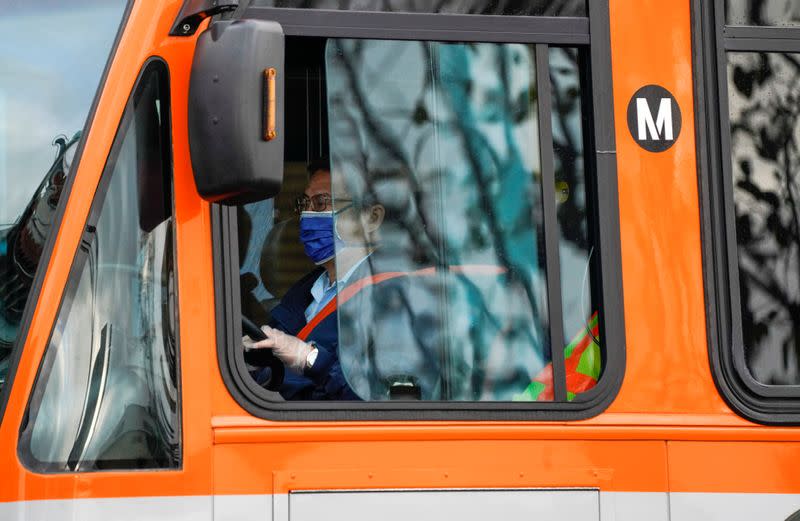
x: 263, y: 357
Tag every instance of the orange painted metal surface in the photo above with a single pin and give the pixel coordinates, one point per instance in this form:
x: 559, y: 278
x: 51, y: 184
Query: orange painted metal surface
x: 667, y: 358
x: 436, y: 464
x: 734, y: 467
x: 668, y: 429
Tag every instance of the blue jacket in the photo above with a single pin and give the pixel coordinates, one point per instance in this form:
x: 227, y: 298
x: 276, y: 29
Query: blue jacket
x: 325, y: 380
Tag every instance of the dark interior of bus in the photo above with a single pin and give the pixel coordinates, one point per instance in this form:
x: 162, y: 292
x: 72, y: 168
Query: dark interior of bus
x: 281, y: 260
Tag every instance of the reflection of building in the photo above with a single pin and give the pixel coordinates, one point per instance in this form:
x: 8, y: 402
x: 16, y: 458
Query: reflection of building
x: 21, y: 246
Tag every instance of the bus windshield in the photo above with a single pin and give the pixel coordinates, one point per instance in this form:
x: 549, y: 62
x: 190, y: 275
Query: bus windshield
x: 54, y: 56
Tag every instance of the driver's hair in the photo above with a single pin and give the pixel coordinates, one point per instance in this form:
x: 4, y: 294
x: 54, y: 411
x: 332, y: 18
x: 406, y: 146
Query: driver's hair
x: 321, y: 163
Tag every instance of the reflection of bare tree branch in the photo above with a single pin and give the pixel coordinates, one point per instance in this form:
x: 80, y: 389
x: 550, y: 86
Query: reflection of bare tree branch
x: 571, y: 217
x: 755, y: 9
x: 765, y: 119
x: 793, y: 308
x: 770, y: 286
x: 419, y: 146
x: 466, y: 150
x: 791, y: 60
x: 376, y: 131
x: 391, y: 146
x: 476, y: 156
x: 787, y: 175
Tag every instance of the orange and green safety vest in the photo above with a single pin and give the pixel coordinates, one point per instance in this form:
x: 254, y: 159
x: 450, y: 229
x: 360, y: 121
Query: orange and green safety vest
x: 582, y: 361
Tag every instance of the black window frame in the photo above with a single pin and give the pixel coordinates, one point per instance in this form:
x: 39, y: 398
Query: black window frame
x: 25, y: 456
x: 58, y: 217
x: 711, y: 40
x: 602, y: 194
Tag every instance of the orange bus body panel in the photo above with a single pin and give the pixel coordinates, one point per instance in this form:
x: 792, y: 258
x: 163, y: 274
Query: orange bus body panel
x: 667, y: 357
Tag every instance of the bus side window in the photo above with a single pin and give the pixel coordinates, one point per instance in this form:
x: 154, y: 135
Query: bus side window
x: 439, y: 188
x: 752, y: 195
x: 106, y: 396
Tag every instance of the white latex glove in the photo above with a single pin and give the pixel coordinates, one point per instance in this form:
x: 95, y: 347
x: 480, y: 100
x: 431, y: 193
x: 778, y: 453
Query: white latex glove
x: 289, y: 349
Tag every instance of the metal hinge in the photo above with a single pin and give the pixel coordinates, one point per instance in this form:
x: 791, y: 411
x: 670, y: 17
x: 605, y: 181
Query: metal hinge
x: 195, y: 11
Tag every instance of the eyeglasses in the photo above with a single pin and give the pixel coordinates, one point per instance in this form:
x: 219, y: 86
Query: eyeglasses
x: 317, y: 203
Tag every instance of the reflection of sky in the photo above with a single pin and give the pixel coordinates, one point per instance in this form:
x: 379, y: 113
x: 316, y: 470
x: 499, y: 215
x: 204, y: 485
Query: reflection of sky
x: 261, y: 215
x: 125, y: 265
x: 53, y: 55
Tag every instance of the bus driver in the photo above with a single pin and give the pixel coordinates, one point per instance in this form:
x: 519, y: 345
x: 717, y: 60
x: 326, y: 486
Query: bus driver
x: 339, y: 236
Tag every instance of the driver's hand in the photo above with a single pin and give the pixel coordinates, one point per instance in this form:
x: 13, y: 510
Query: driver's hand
x: 289, y: 349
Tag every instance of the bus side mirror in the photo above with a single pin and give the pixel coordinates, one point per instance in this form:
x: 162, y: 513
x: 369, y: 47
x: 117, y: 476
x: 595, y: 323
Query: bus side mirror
x: 236, y: 111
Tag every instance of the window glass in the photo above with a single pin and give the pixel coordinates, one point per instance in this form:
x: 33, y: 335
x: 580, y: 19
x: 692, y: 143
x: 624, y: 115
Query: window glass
x: 51, y: 70
x: 492, y: 7
x: 576, y: 246
x: 764, y: 97
x: 762, y: 12
x: 454, y: 300
x: 107, y: 393
x: 432, y: 169
x: 448, y: 151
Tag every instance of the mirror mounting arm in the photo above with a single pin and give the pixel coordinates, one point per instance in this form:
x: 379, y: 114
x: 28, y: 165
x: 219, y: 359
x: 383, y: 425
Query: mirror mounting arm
x: 195, y: 11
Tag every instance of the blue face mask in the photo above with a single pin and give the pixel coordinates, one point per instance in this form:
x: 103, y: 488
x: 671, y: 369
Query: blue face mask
x: 318, y: 236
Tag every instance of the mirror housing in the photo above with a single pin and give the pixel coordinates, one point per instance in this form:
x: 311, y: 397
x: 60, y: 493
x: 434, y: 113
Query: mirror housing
x: 236, y: 111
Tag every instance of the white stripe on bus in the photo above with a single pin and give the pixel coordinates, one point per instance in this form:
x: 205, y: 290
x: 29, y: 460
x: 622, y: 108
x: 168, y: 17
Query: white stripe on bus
x: 416, y: 505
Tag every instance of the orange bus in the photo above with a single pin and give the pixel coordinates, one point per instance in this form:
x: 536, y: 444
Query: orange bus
x: 348, y: 259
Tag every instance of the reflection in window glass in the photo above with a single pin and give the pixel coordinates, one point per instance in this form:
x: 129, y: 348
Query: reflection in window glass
x: 576, y: 249
x: 51, y: 67
x: 764, y: 93
x: 433, y: 208
x: 762, y: 12
x: 436, y: 181
x: 491, y: 7
x: 107, y: 393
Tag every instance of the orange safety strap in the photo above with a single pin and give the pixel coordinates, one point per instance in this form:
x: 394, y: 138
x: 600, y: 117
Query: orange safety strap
x: 351, y: 290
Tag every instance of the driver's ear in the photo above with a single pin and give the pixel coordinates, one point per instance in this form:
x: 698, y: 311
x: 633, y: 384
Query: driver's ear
x: 373, y: 218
